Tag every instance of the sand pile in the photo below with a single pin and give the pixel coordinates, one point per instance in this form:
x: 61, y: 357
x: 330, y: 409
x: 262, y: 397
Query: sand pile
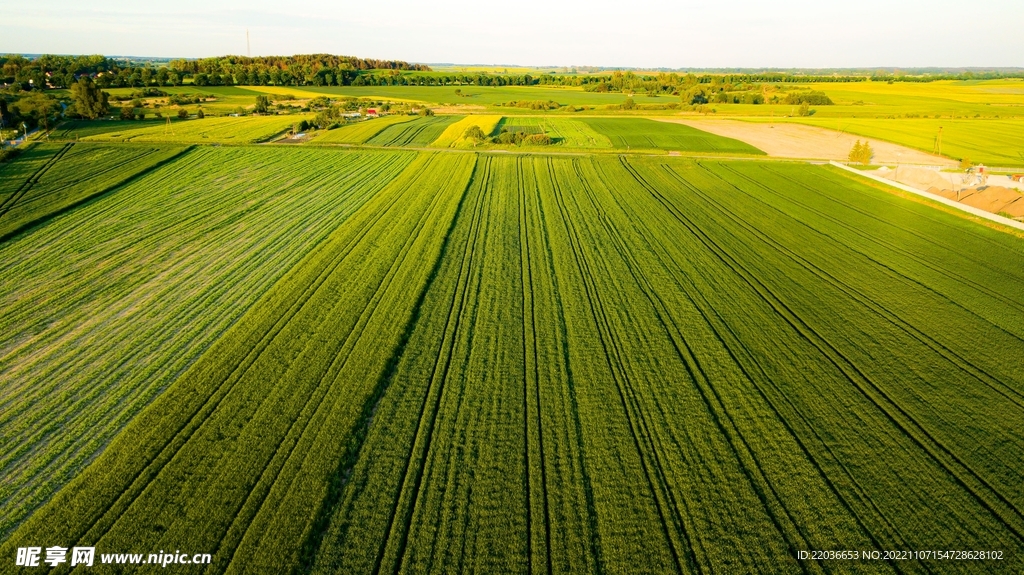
x: 993, y: 199
x: 920, y: 178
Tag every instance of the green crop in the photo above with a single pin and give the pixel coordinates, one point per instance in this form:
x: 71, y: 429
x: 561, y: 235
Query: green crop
x: 225, y: 130
x: 360, y: 132
x: 105, y: 306
x: 642, y: 133
x: 516, y: 363
x: 65, y: 176
x: 418, y: 133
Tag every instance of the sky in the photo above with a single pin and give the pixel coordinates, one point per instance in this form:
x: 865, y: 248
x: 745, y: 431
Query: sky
x: 640, y: 33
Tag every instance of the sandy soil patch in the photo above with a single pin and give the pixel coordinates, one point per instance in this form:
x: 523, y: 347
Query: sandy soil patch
x: 809, y: 142
x: 994, y: 199
x: 458, y: 109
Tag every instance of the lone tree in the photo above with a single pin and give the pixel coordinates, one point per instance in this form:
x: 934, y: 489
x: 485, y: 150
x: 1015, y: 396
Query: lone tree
x: 89, y: 101
x: 861, y: 153
x: 262, y: 104
x: 182, y: 114
x: 474, y: 133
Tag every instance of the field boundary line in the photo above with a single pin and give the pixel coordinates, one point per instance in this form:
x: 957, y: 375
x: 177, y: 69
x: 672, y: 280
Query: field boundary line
x: 32, y: 180
x: 30, y: 225
x: 969, y: 209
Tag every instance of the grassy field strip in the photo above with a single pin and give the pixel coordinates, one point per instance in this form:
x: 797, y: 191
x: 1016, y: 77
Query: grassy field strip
x: 273, y: 398
x: 646, y: 134
x: 362, y: 131
x: 31, y: 159
x: 19, y: 188
x: 452, y: 135
x: 564, y: 132
x: 247, y: 130
x: 988, y: 141
x: 77, y: 129
x: 76, y: 174
x: 136, y: 301
x: 959, y: 481
x: 420, y: 132
x: 393, y: 453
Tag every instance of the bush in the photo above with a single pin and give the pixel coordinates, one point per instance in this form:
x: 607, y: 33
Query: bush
x: 200, y: 114
x: 127, y: 113
x: 426, y: 112
x: 538, y: 140
x: 183, y: 114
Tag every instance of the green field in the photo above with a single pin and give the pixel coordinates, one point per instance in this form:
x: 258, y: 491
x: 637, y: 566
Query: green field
x: 645, y: 134
x: 452, y: 136
x: 418, y: 133
x: 569, y: 133
x: 106, y: 306
x: 53, y: 178
x: 360, y: 132
x: 992, y: 142
x: 243, y: 130
x: 332, y: 361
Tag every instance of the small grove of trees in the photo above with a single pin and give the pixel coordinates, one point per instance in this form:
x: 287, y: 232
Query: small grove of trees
x: 861, y: 153
x: 35, y: 109
x: 813, y: 98
x: 88, y: 101
x: 508, y: 137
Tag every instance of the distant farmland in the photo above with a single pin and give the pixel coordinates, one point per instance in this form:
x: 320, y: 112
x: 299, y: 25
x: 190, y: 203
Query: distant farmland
x: 377, y: 361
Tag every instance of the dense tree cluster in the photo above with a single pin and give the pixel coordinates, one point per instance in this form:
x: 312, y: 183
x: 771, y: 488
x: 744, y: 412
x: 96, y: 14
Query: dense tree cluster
x: 812, y: 98
x: 303, y: 69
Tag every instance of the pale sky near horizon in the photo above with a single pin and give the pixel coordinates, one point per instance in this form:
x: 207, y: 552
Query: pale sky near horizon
x: 643, y: 33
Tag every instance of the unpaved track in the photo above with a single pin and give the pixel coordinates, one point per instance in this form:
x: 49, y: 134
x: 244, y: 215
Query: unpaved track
x: 784, y: 140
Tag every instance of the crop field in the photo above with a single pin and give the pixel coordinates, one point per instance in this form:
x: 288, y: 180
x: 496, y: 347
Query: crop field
x: 360, y: 132
x: 417, y: 133
x: 246, y: 130
x: 62, y: 176
x: 226, y: 99
x: 564, y: 132
x: 76, y: 129
x: 642, y: 133
x: 324, y: 361
x: 452, y: 135
x: 992, y: 142
x: 105, y: 306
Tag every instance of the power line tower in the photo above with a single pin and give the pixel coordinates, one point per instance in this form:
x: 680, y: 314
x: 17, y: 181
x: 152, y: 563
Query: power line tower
x: 938, y: 142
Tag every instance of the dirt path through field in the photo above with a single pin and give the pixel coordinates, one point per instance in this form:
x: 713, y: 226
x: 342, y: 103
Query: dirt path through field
x: 808, y: 142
